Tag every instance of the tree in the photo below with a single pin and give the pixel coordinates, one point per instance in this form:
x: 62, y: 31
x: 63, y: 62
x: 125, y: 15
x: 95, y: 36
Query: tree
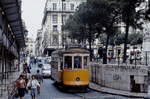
x: 81, y: 24
x: 135, y: 38
x: 76, y: 28
x: 96, y: 17
x: 109, y: 14
x: 147, y: 14
x: 130, y: 17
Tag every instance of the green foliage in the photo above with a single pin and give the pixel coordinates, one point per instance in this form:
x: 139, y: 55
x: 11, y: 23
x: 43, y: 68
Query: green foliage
x: 100, y: 17
x: 147, y: 13
x: 135, y: 38
x: 75, y: 28
x: 130, y: 16
x: 129, y: 13
x: 96, y: 17
x: 119, y: 39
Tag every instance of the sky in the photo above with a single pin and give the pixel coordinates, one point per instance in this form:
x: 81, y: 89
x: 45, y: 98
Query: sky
x: 32, y: 14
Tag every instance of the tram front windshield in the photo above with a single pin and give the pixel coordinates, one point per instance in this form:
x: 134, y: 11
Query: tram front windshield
x: 68, y: 62
x: 77, y: 62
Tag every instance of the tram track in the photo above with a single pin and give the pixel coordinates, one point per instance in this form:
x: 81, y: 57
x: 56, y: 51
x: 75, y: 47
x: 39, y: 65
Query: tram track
x: 92, y: 94
x: 87, y: 95
x: 94, y: 97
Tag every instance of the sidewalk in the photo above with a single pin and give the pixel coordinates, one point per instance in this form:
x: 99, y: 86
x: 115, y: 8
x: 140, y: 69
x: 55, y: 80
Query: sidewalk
x: 116, y: 92
x: 10, y: 83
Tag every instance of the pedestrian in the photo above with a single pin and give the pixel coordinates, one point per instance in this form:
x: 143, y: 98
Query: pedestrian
x: 109, y: 58
x: 26, y: 81
x: 21, y: 87
x: 28, y: 69
x: 25, y: 67
x: 27, y: 75
x: 131, y: 59
x: 39, y: 77
x: 35, y: 61
x: 33, y: 84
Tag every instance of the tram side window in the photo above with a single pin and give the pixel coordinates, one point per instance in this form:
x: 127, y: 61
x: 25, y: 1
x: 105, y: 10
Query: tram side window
x: 61, y: 66
x: 85, y: 61
x: 77, y: 62
x: 68, y: 62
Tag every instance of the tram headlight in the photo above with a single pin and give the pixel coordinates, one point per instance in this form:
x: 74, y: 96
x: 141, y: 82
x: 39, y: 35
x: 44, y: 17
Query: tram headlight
x: 77, y: 79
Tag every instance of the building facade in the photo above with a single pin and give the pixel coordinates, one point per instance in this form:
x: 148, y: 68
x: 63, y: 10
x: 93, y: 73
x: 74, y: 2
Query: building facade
x: 11, y: 42
x: 146, y: 36
x: 56, y: 14
x: 29, y: 47
x: 38, y: 43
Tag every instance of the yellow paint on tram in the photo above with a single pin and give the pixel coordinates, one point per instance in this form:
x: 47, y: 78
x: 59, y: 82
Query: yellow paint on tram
x: 70, y: 67
x: 76, y: 77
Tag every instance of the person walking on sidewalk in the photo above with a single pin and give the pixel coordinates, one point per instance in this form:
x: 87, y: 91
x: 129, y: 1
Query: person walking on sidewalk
x: 33, y: 84
x: 39, y: 77
x: 21, y: 87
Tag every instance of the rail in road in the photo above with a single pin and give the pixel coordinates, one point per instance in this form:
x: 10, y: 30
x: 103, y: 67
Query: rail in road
x: 49, y: 91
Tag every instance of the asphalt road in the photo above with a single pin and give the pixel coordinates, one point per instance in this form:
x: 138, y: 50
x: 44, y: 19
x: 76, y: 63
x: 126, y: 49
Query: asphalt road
x: 49, y: 91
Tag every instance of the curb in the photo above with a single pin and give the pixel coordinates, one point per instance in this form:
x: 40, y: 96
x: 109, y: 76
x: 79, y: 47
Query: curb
x: 114, y: 91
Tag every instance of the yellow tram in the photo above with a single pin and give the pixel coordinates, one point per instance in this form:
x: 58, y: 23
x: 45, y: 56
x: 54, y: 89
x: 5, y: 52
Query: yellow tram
x: 69, y: 67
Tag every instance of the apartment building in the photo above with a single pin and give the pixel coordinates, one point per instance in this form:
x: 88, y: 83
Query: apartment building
x: 56, y: 14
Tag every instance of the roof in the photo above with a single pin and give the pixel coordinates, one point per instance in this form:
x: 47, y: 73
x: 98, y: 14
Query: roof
x: 59, y: 51
x: 12, y: 11
x: 76, y: 50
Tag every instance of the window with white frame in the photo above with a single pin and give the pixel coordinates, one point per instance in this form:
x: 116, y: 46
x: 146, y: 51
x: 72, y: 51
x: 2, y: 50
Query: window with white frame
x: 72, y: 6
x: 64, y: 6
x: 55, y: 28
x: 54, y: 6
x: 55, y: 39
x: 54, y: 18
x: 64, y: 19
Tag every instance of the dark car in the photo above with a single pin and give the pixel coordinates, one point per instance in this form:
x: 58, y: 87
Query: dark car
x: 40, y: 64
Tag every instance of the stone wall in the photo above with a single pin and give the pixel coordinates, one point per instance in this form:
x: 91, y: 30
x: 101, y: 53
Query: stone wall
x: 119, y: 77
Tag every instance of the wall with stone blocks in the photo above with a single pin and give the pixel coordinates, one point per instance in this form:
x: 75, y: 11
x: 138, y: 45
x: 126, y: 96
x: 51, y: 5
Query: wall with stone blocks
x: 118, y: 77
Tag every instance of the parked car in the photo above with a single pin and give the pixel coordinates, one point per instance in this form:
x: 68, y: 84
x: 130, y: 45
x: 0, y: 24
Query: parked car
x: 40, y: 64
x: 46, y: 70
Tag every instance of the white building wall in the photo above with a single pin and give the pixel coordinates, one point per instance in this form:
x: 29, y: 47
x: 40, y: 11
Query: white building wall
x: 55, y: 38
x: 146, y: 44
x: 118, y: 77
x: 30, y: 46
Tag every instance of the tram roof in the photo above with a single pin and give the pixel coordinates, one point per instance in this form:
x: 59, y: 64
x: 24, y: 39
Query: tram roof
x: 60, y: 51
x: 76, y: 50
x: 71, y: 51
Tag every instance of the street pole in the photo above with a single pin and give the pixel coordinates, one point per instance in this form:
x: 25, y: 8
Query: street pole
x: 62, y: 26
x: 135, y: 54
x: 118, y: 58
x: 146, y: 58
x: 63, y: 42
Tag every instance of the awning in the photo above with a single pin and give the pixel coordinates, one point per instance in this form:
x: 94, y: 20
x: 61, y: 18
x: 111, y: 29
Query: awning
x: 12, y: 10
